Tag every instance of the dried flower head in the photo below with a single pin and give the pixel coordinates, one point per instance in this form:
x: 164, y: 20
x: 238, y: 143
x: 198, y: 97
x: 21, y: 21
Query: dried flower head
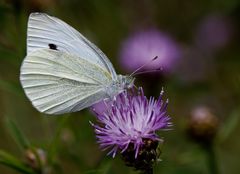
x: 130, y: 124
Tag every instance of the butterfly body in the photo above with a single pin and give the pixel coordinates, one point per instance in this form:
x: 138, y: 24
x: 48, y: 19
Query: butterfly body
x: 122, y: 83
x: 64, y: 72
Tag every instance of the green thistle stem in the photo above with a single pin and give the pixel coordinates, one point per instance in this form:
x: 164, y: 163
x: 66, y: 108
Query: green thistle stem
x: 212, y: 161
x: 149, y: 171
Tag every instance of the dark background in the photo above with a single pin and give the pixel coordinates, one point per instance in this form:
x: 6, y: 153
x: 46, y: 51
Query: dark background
x: 204, y: 76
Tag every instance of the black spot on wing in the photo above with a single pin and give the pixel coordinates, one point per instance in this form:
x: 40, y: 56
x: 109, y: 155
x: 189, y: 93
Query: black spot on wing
x: 52, y: 46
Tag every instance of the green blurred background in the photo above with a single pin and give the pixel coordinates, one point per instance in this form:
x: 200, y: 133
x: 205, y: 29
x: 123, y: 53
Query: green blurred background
x: 69, y: 142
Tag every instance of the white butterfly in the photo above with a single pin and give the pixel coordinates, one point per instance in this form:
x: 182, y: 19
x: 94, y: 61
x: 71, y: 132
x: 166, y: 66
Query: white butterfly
x: 63, y: 71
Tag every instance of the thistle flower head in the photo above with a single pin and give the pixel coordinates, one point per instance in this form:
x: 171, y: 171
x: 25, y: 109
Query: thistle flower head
x: 131, y: 121
x: 142, y: 46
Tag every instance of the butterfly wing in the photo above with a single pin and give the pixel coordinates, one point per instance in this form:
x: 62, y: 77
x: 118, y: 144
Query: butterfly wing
x: 57, y: 82
x: 45, y: 31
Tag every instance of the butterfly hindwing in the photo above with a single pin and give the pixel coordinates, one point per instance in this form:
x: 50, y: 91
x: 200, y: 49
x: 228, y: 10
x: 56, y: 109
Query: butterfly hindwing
x: 57, y: 82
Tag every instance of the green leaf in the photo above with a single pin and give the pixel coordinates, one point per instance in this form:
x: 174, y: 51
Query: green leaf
x: 229, y: 125
x: 12, y: 162
x: 53, y: 148
x: 16, y: 133
x: 104, y: 168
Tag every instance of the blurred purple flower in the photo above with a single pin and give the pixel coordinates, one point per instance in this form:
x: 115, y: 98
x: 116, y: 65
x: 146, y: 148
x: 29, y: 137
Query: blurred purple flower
x: 214, y: 32
x: 131, y: 120
x: 143, y: 46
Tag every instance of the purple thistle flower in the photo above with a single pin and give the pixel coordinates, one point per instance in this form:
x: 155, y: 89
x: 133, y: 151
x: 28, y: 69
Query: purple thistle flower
x: 101, y: 106
x: 130, y: 121
x: 143, y: 46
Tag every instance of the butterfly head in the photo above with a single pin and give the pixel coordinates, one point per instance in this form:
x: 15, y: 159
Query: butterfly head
x: 126, y: 82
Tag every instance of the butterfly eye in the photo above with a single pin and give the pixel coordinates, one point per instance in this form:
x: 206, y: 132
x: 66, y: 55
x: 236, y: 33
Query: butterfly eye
x: 52, y: 46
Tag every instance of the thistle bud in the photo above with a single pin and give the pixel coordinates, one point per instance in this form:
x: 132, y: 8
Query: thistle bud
x: 36, y: 158
x: 203, y: 125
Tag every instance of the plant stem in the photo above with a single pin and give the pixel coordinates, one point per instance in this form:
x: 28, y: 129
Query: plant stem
x: 212, y: 161
x: 149, y: 171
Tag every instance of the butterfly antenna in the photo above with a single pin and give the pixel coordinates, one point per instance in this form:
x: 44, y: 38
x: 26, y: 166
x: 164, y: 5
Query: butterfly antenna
x: 139, y: 68
x: 149, y: 71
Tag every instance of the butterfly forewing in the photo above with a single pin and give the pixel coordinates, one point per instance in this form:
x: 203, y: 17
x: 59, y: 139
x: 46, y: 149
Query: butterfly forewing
x: 49, y: 32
